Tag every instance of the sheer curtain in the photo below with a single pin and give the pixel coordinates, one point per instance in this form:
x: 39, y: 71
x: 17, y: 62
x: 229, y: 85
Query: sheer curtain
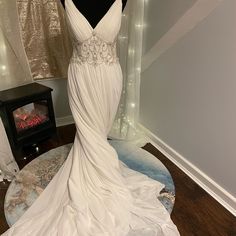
x: 130, y: 51
x: 14, y: 68
x: 8, y: 166
x: 14, y: 71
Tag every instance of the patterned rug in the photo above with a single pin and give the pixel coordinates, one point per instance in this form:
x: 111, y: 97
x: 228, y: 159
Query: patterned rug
x: 35, y: 176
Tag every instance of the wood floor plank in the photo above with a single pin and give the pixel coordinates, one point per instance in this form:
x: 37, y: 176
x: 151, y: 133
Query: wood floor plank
x: 195, y: 212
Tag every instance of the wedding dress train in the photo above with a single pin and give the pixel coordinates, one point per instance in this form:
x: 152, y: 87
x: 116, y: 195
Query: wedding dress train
x: 93, y: 193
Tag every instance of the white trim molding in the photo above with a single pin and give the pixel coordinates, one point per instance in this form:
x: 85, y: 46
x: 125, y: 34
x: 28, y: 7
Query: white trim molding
x: 214, y: 189
x: 198, y: 12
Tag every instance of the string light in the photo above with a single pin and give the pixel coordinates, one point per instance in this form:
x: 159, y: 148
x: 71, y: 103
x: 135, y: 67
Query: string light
x: 131, y: 51
x: 139, y: 26
x: 123, y: 37
x: 3, y: 47
x: 3, y: 67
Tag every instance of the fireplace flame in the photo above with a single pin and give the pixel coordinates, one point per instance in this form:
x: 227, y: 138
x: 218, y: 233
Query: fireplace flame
x: 25, y: 119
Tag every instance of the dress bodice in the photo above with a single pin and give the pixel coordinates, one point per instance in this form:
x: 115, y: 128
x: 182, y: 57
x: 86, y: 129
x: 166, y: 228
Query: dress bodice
x: 94, y: 45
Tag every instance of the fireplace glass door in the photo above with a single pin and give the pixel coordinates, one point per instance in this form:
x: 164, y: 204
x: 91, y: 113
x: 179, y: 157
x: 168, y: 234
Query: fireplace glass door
x: 31, y: 115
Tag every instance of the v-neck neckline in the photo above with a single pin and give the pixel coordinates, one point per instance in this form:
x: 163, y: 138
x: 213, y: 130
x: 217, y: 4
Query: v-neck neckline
x: 91, y: 28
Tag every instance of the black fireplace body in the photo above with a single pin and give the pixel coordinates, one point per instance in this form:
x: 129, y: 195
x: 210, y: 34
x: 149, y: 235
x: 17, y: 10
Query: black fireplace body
x: 27, y: 114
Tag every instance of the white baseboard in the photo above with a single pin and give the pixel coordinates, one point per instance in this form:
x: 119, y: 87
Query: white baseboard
x: 215, y: 190
x: 66, y: 120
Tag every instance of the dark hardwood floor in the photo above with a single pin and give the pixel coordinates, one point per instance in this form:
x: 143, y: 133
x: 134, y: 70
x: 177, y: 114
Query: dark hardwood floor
x: 195, y: 212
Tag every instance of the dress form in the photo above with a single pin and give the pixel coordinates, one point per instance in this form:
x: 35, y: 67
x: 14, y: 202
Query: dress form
x: 95, y: 13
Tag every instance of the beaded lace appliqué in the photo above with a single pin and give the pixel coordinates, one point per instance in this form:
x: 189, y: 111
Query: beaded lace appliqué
x: 94, y: 51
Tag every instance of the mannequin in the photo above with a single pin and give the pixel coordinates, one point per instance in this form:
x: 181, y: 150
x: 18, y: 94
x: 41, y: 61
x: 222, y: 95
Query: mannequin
x: 95, y: 13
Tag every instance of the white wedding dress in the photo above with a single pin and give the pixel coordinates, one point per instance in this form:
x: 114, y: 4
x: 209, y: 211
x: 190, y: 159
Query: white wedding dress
x: 93, y: 193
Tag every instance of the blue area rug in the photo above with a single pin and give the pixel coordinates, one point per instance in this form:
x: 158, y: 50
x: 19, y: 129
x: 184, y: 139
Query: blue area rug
x: 35, y: 176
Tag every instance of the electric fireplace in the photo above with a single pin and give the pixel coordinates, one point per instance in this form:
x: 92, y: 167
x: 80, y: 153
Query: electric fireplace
x: 27, y: 114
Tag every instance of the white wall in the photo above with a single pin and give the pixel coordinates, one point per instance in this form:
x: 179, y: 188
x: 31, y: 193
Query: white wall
x: 161, y: 15
x: 59, y: 96
x: 188, y: 96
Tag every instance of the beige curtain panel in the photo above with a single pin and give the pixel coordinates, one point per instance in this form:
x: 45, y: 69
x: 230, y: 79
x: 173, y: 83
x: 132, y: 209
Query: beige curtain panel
x: 45, y: 37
